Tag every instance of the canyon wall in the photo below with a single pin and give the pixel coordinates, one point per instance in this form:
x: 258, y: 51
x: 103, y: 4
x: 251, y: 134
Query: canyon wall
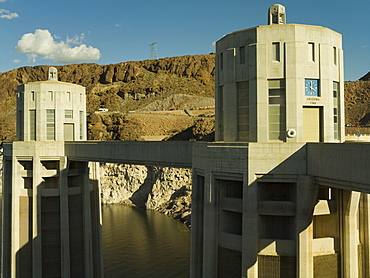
x: 167, y: 190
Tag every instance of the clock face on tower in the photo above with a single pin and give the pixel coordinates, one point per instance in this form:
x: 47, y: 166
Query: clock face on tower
x: 311, y: 87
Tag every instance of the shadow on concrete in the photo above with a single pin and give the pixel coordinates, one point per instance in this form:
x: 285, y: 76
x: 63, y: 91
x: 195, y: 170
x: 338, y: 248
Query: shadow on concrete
x: 281, y: 231
x: 47, y: 255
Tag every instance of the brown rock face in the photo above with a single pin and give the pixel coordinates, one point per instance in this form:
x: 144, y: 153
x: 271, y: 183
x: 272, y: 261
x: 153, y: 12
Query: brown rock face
x: 202, y: 130
x: 119, y: 87
x: 200, y: 68
x: 113, y: 126
x: 357, y: 102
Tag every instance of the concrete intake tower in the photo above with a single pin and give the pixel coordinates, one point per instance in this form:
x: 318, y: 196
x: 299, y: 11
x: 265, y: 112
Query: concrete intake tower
x: 52, y: 214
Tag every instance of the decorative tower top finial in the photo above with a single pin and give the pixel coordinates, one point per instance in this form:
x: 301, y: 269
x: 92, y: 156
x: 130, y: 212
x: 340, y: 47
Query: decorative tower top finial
x: 277, y: 14
x: 53, y: 74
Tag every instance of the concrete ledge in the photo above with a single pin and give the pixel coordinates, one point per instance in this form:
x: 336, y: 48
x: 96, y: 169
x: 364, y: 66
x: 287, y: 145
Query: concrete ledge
x: 50, y: 192
x: 277, y: 208
x: 281, y: 247
x: 231, y: 204
x: 231, y: 241
x: 324, y: 207
x: 74, y: 190
x: 25, y: 192
x: 323, y: 246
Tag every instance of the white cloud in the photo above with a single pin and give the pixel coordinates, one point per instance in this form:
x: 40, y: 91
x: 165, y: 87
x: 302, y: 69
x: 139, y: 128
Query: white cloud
x: 31, y: 58
x: 76, y: 39
x: 7, y: 14
x: 16, y: 61
x: 43, y: 43
x: 2, y: 0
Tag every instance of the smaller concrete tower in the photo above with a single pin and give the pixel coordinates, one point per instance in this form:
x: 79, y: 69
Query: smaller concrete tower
x: 51, y: 204
x: 51, y: 110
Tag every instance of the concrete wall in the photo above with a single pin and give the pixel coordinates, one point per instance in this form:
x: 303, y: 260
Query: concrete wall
x: 293, y: 65
x: 52, y: 95
x: 51, y: 216
x: 167, y: 154
x: 346, y: 165
x: 280, y: 209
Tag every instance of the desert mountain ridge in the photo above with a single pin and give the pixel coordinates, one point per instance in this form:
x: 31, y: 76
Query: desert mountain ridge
x: 141, y: 97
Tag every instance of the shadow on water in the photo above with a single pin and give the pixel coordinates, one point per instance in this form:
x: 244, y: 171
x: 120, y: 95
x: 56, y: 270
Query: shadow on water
x: 144, y: 243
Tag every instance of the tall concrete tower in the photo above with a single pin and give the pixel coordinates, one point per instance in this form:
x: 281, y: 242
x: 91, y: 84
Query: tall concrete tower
x: 264, y: 203
x: 51, y: 205
x: 280, y: 83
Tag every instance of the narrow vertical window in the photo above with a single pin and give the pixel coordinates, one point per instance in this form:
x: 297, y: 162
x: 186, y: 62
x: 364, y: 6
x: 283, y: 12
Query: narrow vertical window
x: 68, y: 96
x: 221, y: 61
x: 277, y: 125
x: 50, y: 124
x: 81, y: 125
x: 243, y: 110
x: 335, y: 108
x: 220, y: 108
x: 20, y: 125
x: 32, y: 96
x: 311, y: 52
x: 80, y: 97
x: 68, y: 114
x: 276, y: 51
x: 51, y: 95
x: 335, y: 55
x: 242, y: 55
x: 32, y: 124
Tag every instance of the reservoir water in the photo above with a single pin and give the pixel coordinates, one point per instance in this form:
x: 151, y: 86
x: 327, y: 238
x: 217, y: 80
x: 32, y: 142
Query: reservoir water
x: 144, y: 243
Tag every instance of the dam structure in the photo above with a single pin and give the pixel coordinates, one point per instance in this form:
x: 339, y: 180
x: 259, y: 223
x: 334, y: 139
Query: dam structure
x: 51, y: 204
x: 278, y: 194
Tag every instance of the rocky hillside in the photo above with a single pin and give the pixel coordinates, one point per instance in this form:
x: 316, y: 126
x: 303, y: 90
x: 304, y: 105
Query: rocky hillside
x: 357, y: 102
x: 163, y: 84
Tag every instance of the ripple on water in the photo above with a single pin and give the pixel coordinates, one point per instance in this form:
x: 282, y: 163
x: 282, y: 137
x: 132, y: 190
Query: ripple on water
x: 144, y: 243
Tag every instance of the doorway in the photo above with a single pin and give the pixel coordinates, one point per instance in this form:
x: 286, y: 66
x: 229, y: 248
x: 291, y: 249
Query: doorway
x: 69, y: 132
x: 312, y: 124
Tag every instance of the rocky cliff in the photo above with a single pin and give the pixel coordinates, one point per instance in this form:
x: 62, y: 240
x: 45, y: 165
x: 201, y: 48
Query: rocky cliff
x: 357, y: 102
x: 167, y: 190
x: 163, y: 84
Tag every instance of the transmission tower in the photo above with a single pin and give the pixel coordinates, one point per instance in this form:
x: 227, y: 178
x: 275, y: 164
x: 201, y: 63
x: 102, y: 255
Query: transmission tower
x: 153, y: 50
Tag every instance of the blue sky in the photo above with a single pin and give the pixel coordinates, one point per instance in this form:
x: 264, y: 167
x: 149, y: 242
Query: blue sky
x: 39, y: 32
